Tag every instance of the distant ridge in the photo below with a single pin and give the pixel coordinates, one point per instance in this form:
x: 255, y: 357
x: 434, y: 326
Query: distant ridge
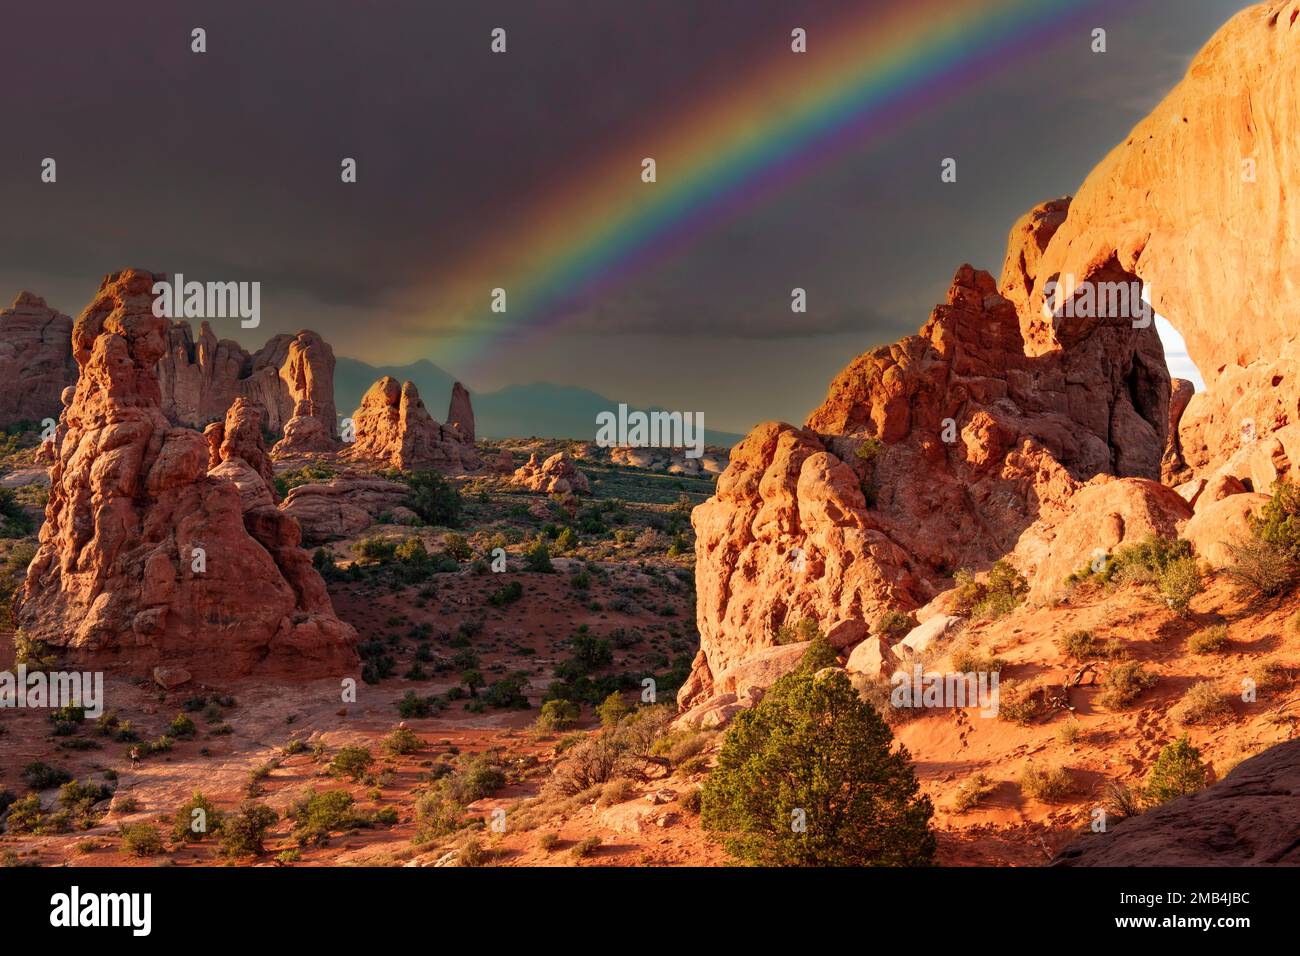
x: 539, y: 409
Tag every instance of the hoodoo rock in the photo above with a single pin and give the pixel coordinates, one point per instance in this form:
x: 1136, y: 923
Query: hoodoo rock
x: 554, y: 476
x: 36, y: 362
x: 393, y: 426
x: 460, y: 413
x: 146, y: 558
x: 308, y: 376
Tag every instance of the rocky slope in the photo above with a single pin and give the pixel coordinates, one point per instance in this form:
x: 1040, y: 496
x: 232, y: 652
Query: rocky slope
x: 150, y: 557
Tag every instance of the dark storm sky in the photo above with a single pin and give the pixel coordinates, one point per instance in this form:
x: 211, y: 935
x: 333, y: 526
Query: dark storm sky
x: 225, y: 166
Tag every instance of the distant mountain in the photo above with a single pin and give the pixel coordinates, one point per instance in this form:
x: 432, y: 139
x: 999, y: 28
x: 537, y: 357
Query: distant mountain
x: 539, y: 410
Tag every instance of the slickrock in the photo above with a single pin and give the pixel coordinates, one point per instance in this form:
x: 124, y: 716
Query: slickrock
x: 36, y: 362
x: 554, y: 476
x: 145, y: 558
x: 393, y: 427
x: 1249, y: 818
x: 460, y: 414
x: 343, y: 507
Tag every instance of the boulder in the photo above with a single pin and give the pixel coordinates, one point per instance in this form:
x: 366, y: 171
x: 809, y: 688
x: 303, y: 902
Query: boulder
x: 554, y: 476
x: 1222, y: 523
x: 343, y: 507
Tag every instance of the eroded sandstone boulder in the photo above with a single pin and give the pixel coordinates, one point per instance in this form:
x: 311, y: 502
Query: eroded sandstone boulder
x: 343, y: 507
x: 393, y: 427
x: 36, y: 362
x: 554, y: 476
x: 148, y: 559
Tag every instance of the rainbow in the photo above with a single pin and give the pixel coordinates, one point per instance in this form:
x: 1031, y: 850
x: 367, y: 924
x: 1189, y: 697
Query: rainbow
x: 857, y: 82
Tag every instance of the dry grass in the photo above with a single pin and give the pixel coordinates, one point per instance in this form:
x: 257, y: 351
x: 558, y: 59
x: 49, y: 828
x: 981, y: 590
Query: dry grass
x: 1047, y: 785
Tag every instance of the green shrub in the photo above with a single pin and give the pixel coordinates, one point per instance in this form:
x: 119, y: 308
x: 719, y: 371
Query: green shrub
x: 805, y: 630
x: 1261, y: 569
x: 141, y: 839
x: 1211, y: 640
x: 1202, y: 704
x: 612, y: 709
x: 41, y: 776
x: 538, y: 559
x: 244, y: 831
x: 1000, y: 593
x: 402, y: 741
x: 352, y: 761
x: 1178, y: 771
x: 1047, y: 785
x: 181, y: 727
x: 316, y: 815
x: 587, y: 847
x: 972, y: 792
x: 508, y: 594
x: 189, y: 826
x: 557, y: 715
x: 1179, y: 582
x: 433, y: 499
x: 411, y: 551
x: 811, y: 776
x: 1124, y: 683
x: 1079, y: 645
x: 374, y: 549
x: 893, y: 626
x: 456, y: 546
x: 1021, y: 702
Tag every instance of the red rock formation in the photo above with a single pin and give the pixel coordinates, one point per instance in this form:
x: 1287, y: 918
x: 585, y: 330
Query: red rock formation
x: 35, y: 360
x: 928, y: 455
x: 308, y: 376
x: 460, y: 413
x: 199, y: 377
x: 1001, y: 429
x: 146, y: 559
x: 1199, y: 201
x: 393, y: 426
x: 555, y: 476
x: 291, y: 377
